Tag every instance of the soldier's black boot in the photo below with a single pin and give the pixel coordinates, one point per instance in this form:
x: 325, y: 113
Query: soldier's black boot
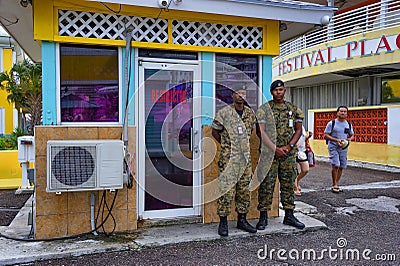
x: 291, y: 220
x: 263, y: 222
x: 243, y: 224
x: 223, y: 226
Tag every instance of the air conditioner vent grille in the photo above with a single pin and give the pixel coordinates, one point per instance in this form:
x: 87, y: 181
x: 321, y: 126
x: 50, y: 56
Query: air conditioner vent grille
x: 74, y: 165
x: 82, y: 165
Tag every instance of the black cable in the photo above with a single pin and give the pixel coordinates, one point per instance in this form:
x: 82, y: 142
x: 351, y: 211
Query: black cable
x: 73, y: 236
x: 112, y: 216
x: 108, y: 214
x: 165, y: 9
x: 99, y: 208
x: 116, y: 12
x: 9, y: 21
x: 103, y: 203
x: 84, y: 6
x: 31, y: 232
x: 159, y: 13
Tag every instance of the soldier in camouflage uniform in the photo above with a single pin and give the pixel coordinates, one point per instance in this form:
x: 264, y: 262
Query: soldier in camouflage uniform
x: 232, y: 127
x: 286, y: 119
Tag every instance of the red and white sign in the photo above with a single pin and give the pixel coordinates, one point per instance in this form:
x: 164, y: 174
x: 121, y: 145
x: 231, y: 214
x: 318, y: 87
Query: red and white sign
x: 358, y: 48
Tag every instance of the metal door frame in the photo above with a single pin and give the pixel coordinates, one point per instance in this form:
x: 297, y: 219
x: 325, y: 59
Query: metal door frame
x: 168, y: 64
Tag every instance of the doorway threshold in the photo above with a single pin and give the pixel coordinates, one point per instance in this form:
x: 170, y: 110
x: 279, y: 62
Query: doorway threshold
x: 160, y: 222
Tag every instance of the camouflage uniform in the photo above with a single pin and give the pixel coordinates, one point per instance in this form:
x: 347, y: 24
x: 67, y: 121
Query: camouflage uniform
x: 284, y: 167
x: 234, y: 161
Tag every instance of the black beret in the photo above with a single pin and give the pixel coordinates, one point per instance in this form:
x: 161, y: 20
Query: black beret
x: 276, y: 83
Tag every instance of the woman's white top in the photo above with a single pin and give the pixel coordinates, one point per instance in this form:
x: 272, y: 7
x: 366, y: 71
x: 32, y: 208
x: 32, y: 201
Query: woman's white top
x: 301, y: 143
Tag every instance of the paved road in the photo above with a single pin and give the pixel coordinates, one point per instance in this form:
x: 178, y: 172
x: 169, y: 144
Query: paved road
x: 363, y: 225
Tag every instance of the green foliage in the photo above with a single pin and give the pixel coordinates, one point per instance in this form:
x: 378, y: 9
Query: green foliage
x: 387, y: 93
x: 10, y: 142
x: 23, y: 84
x: 3, y: 143
x: 14, y: 137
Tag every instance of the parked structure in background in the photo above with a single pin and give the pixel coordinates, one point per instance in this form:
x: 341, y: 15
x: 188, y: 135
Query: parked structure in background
x: 10, y: 54
x: 10, y: 167
x: 353, y: 61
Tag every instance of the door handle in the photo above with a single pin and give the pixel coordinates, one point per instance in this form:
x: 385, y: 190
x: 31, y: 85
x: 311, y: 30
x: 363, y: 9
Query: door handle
x: 193, y: 147
x: 196, y: 147
x: 191, y: 140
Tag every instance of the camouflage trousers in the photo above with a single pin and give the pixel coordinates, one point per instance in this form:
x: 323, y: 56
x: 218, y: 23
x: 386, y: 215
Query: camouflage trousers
x: 233, y: 182
x: 286, y: 170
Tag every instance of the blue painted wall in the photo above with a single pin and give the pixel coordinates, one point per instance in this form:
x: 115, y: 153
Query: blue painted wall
x: 128, y: 68
x: 266, y: 77
x: 207, y: 93
x: 49, y: 86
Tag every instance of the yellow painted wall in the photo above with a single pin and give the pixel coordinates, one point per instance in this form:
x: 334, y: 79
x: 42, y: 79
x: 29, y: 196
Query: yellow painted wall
x: 10, y: 170
x: 7, y: 64
x: 46, y: 29
x: 364, y: 152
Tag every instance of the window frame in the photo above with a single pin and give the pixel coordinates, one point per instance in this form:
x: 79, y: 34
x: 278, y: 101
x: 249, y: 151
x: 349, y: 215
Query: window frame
x: 58, y: 91
x: 387, y: 79
x: 259, y: 72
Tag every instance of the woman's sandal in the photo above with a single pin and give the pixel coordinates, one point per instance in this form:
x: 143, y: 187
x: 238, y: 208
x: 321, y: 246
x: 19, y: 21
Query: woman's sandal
x: 336, y: 190
x: 297, y: 192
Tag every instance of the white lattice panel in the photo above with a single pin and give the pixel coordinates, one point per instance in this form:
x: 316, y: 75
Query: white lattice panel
x: 216, y: 35
x: 114, y: 27
x: 111, y: 26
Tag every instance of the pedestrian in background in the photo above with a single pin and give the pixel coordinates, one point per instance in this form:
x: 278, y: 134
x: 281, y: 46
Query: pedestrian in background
x: 302, y: 159
x: 286, y: 119
x: 338, y: 133
x: 232, y: 128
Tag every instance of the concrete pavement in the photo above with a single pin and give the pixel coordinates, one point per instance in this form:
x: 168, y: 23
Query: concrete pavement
x: 15, y: 252
x: 25, y: 250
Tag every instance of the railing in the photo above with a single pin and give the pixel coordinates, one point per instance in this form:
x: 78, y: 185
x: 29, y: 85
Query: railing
x: 379, y: 15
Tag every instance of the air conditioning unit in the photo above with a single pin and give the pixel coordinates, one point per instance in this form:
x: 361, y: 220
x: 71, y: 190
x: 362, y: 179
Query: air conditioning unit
x: 81, y: 165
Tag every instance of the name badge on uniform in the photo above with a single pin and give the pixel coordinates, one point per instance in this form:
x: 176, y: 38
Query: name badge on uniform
x: 290, y: 119
x: 240, y: 130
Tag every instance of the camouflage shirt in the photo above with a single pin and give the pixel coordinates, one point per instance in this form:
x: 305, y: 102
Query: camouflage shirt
x: 276, y: 118
x: 236, y: 130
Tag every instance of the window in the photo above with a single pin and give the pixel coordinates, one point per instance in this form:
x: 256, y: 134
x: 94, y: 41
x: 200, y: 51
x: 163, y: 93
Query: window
x: 89, y: 88
x: 236, y: 71
x: 391, y: 90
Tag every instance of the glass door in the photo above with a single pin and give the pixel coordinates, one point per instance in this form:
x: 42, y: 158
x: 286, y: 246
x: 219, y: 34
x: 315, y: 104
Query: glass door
x: 169, y: 135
